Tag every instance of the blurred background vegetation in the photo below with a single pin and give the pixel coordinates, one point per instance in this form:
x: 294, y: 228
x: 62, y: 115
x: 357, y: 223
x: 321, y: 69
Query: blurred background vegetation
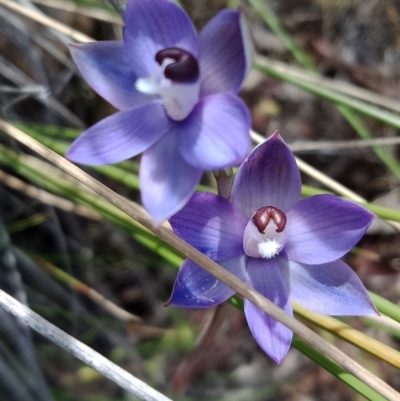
x: 67, y: 253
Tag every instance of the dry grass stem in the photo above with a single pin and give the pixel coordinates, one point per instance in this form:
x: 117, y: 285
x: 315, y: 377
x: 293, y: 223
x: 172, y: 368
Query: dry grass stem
x: 351, y: 335
x: 335, y: 145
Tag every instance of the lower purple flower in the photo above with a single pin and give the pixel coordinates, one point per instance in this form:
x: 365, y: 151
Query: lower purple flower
x: 284, y: 247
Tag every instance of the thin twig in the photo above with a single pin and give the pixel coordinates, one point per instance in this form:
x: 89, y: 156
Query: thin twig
x: 210, y: 266
x: 302, y: 146
x: 15, y: 75
x: 224, y: 180
x: 215, y: 319
x: 80, y: 350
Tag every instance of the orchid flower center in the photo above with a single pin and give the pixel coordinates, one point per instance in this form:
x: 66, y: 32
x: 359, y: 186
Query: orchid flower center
x: 175, y: 80
x: 264, y: 235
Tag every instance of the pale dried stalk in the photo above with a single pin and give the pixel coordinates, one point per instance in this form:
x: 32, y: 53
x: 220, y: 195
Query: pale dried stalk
x: 352, y: 336
x: 80, y: 350
x: 302, y: 146
x: 210, y: 266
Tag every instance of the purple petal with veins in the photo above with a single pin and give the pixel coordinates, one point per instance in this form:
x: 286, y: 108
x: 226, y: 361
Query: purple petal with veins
x: 272, y: 336
x: 215, y: 135
x: 196, y: 288
x: 331, y: 288
x: 212, y: 225
x: 268, y: 177
x: 323, y: 228
x: 166, y: 180
x: 121, y: 136
x: 225, y: 62
x: 106, y: 69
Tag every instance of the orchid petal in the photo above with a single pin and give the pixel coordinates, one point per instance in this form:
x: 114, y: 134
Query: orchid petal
x: 272, y: 336
x: 330, y: 289
x: 226, y: 61
x: 216, y: 134
x: 212, y: 225
x: 268, y: 177
x: 196, y: 288
x: 154, y: 25
x: 106, y: 69
x: 121, y: 136
x: 323, y: 228
x: 166, y: 180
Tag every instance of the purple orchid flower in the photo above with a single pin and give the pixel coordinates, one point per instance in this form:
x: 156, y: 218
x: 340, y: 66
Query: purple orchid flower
x: 177, y: 96
x: 284, y: 247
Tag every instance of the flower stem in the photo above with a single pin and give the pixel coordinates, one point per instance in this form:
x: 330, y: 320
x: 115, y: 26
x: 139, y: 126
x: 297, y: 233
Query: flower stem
x: 224, y: 180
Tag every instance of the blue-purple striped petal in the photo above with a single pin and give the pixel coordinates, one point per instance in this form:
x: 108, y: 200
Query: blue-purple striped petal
x: 272, y: 336
x: 225, y: 53
x: 216, y: 134
x: 106, y: 69
x: 196, y: 288
x: 121, y: 136
x: 167, y: 182
x: 323, y: 228
x: 268, y: 177
x: 212, y: 225
x: 330, y: 289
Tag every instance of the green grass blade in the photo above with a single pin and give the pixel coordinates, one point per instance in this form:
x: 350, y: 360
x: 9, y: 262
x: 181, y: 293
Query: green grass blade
x: 275, y: 70
x: 262, y: 7
x: 337, y: 371
x: 386, y: 307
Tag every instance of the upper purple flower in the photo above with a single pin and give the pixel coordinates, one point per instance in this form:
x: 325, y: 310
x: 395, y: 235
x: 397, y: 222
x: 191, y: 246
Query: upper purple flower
x: 177, y: 96
x: 284, y: 247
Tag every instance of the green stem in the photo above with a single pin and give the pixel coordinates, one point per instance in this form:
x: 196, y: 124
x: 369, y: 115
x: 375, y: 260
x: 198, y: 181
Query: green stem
x: 386, y: 307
